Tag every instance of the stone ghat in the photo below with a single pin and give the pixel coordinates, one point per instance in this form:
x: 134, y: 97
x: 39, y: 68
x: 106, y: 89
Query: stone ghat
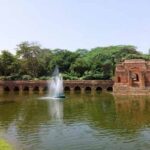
x: 69, y: 85
x: 125, y: 90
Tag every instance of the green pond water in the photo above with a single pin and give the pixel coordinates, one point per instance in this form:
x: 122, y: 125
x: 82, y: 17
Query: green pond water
x: 80, y: 122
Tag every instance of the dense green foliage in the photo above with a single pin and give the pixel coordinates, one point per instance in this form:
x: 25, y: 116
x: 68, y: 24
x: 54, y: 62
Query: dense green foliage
x: 33, y: 62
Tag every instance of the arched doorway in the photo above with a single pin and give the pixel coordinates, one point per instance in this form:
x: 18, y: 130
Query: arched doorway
x: 88, y: 89
x: 16, y: 89
x: 26, y: 89
x: 67, y: 89
x: 36, y: 89
x: 110, y: 89
x: 6, y: 89
x: 77, y: 89
x: 135, y: 79
x: 119, y: 79
x: 45, y: 89
x: 98, y: 89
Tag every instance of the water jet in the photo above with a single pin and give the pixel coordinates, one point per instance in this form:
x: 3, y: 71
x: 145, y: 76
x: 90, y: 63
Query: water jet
x: 55, y: 86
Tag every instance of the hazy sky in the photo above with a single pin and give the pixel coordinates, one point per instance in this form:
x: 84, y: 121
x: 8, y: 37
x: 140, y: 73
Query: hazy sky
x: 73, y: 24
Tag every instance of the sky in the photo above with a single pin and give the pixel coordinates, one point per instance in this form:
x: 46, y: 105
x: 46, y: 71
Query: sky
x: 73, y: 24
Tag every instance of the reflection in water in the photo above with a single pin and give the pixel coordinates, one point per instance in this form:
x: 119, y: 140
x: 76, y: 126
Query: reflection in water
x: 82, y: 122
x: 133, y: 111
x: 131, y: 104
x: 56, y: 109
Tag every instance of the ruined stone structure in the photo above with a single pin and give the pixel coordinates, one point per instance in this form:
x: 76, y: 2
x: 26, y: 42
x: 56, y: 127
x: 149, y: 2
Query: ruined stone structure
x: 132, y: 77
x: 69, y: 85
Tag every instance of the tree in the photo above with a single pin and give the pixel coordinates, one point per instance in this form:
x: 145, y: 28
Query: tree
x: 81, y: 52
x: 64, y: 59
x: 45, y: 58
x: 34, y: 62
x: 8, y: 63
x: 80, y: 66
x: 28, y: 54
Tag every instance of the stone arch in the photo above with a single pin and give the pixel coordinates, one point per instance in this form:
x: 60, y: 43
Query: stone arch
x: 99, y: 89
x: 67, y: 89
x: 45, y: 88
x: 16, y: 89
x: 109, y: 88
x: 26, y: 88
x: 36, y: 88
x: 6, y: 89
x: 88, y: 89
x: 77, y: 89
x: 118, y: 79
x: 135, y: 77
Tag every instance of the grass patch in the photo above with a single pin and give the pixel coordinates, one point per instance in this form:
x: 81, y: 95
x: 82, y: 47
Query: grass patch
x: 4, y: 145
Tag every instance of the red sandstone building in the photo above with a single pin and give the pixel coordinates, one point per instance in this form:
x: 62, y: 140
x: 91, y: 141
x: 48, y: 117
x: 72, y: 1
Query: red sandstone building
x: 132, y: 77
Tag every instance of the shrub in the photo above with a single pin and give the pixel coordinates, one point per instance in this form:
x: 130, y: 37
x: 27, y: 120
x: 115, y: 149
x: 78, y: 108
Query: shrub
x: 44, y: 78
x: 69, y: 77
x: 26, y: 77
x: 2, y: 78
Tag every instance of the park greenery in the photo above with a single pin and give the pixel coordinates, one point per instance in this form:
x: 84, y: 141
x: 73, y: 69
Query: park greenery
x: 4, y: 145
x: 32, y: 62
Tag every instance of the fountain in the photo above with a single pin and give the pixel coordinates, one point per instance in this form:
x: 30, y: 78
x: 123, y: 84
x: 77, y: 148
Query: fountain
x: 55, y: 86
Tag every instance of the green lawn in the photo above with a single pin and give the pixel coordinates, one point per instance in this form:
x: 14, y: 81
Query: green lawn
x: 4, y: 145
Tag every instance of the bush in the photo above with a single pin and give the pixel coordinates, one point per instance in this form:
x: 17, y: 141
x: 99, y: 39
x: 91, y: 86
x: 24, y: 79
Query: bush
x: 35, y: 79
x: 69, y: 77
x: 44, y: 78
x: 2, y: 78
x: 26, y: 77
x: 15, y: 77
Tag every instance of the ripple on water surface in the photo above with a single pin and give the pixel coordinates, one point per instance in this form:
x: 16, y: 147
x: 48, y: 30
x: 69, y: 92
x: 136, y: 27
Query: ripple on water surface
x: 81, y: 122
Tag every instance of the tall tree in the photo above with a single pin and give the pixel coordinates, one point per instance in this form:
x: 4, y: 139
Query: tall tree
x: 64, y: 59
x: 28, y: 54
x: 9, y: 64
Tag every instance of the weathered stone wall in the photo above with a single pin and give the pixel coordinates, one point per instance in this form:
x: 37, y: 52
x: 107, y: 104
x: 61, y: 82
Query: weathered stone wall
x: 71, y: 85
x: 132, y: 77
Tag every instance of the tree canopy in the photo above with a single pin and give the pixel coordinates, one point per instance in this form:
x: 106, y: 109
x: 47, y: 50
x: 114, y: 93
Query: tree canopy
x: 31, y: 61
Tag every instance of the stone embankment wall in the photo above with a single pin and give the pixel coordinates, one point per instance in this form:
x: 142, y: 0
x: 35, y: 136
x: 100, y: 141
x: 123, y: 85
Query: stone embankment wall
x: 69, y: 85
